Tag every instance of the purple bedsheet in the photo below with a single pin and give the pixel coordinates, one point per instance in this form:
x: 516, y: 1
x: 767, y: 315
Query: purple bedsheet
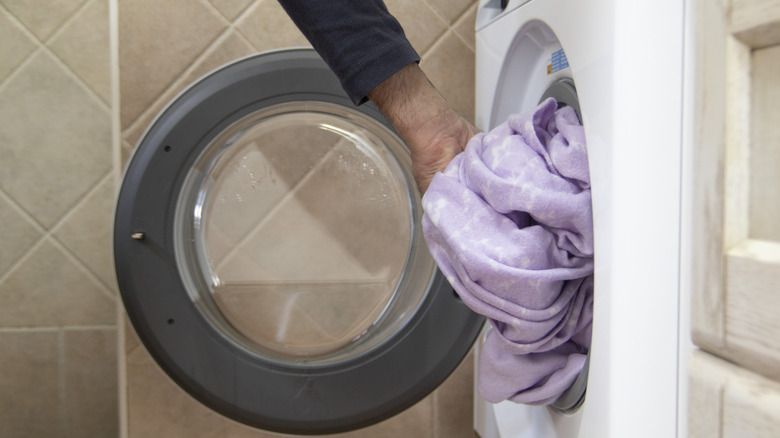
x: 509, y: 223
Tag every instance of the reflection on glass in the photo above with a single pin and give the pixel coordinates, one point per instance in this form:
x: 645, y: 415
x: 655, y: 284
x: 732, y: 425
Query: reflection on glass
x: 303, y: 225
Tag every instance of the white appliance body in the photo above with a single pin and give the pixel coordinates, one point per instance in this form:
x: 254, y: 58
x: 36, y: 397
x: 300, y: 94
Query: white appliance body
x: 627, y: 63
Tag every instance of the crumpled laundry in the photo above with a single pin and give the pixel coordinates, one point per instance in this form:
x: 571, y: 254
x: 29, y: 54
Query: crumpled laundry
x: 509, y: 222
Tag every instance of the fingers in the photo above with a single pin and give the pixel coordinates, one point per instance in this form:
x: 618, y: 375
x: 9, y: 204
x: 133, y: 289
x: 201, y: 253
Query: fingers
x: 433, y: 149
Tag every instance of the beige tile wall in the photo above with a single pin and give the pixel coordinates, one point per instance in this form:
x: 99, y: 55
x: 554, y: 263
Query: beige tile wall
x: 58, y: 334
x: 166, y: 45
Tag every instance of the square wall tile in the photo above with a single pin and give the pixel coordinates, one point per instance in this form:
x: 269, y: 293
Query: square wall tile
x: 267, y: 26
x: 421, y: 25
x: 228, y: 47
x: 464, y: 27
x: 83, y: 44
x: 450, y: 66
x: 40, y: 16
x: 158, y: 40
x: 29, y: 384
x: 90, y: 383
x: 55, y: 138
x: 50, y: 289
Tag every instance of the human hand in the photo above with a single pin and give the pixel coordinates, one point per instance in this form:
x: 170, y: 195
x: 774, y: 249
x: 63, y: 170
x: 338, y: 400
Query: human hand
x: 432, y: 129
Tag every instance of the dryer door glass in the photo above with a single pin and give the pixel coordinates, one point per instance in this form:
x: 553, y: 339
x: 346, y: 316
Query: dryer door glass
x: 295, y: 233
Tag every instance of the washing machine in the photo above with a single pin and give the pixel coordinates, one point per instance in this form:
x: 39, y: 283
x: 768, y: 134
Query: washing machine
x: 270, y: 257
x: 621, y: 64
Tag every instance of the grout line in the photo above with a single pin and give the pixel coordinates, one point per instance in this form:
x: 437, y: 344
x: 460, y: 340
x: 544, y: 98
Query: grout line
x: 244, y: 14
x: 65, y: 249
x: 67, y: 70
x: 438, y: 15
x: 447, y: 28
x: 215, y: 11
x: 124, y: 322
x: 116, y: 148
x: 31, y: 329
x: 26, y: 33
x: 439, y: 38
x: 67, y: 22
x: 62, y: 375
x: 84, y: 83
x: 56, y: 328
x: 81, y: 328
x: 21, y: 260
x: 81, y: 201
x: 435, y: 414
x: 443, y: 35
x: 460, y: 20
x: 436, y: 43
x: 49, y: 235
x: 721, y: 407
x: 474, y: 5
x: 73, y: 75
x: 13, y: 73
x: 116, y: 128
x: 19, y: 23
x: 121, y: 362
x: 107, y: 291
x: 22, y: 212
x: 244, y: 39
x: 130, y: 148
x: 27, y: 217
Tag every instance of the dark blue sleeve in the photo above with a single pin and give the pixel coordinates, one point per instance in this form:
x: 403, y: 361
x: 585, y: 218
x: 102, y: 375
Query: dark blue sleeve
x: 359, y: 40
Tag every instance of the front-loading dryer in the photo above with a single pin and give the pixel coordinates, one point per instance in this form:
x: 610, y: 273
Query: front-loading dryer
x: 622, y: 62
x: 269, y: 253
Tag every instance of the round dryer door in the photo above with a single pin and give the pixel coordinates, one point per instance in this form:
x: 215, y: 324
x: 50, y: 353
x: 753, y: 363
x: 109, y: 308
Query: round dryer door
x: 269, y: 253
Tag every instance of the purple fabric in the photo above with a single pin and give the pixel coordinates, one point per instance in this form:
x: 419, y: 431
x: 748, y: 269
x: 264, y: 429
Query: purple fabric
x: 509, y: 223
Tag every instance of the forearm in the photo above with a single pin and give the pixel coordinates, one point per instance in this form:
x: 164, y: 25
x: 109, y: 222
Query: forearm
x: 408, y: 99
